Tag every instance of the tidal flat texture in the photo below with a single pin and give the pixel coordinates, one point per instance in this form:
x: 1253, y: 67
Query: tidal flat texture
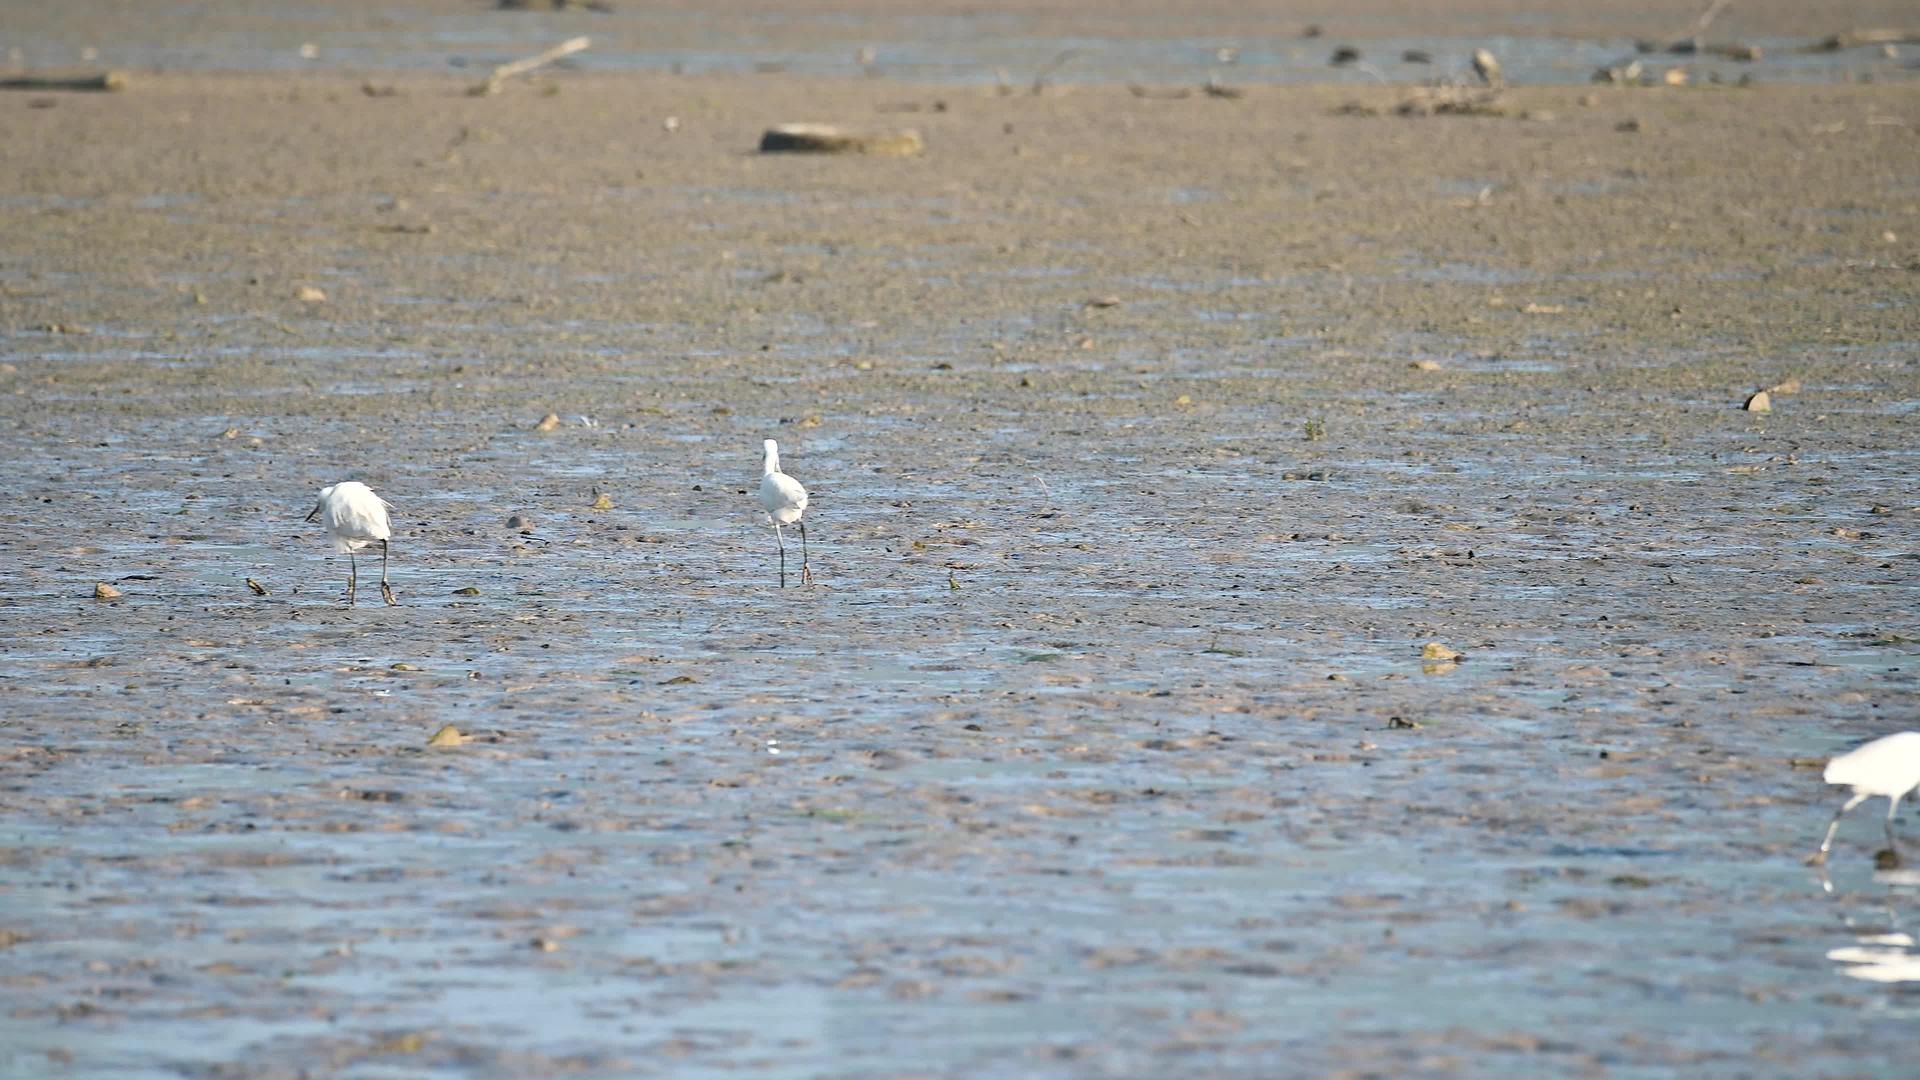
x: 1152, y: 441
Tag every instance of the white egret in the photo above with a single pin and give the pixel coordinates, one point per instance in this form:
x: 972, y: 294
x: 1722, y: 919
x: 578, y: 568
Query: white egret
x: 784, y: 500
x: 355, y: 517
x: 1888, y: 766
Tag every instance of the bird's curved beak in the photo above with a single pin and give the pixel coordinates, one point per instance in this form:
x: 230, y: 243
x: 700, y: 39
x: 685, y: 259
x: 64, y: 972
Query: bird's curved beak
x: 314, y: 513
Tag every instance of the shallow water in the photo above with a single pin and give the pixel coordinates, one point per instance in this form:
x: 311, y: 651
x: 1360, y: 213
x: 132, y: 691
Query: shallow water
x: 1043, y: 768
x: 943, y: 48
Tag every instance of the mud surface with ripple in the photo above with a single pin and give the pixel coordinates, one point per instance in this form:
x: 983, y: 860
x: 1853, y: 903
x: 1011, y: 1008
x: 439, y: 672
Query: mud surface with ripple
x: 1104, y: 745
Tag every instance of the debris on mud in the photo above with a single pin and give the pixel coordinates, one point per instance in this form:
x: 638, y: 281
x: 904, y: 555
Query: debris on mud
x: 448, y: 735
x: 830, y: 139
x: 1487, y: 67
x: 111, y: 81
x: 520, y: 67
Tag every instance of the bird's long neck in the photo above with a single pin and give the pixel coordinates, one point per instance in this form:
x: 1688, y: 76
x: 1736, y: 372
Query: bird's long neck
x: 772, y: 464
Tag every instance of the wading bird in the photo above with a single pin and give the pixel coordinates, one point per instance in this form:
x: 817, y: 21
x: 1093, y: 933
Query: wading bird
x: 1888, y: 766
x: 784, y: 500
x: 355, y: 517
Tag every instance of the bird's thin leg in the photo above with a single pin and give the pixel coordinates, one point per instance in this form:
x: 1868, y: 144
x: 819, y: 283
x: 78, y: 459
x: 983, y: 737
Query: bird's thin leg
x: 806, y: 572
x: 353, y: 576
x: 1893, y: 845
x: 1819, y: 858
x: 386, y: 590
x: 778, y: 539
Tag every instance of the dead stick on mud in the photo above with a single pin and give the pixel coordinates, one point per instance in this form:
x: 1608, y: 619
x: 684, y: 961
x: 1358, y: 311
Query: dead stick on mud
x: 1855, y: 38
x: 1705, y: 20
x: 1706, y: 17
x: 520, y: 67
x: 112, y: 80
x: 1040, y: 78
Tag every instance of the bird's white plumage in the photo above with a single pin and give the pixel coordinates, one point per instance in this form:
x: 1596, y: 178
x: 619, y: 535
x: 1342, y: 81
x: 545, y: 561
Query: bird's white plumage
x: 353, y: 515
x: 1888, y: 766
x: 781, y: 495
x: 784, y: 500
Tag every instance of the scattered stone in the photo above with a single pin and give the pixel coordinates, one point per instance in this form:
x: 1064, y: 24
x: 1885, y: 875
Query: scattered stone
x: 1401, y: 723
x: 1416, y: 56
x: 1674, y: 77
x: 448, y: 735
x: 548, y: 422
x: 602, y: 501
x: 307, y: 294
x: 520, y: 523
x: 466, y: 591
x: 1425, y: 365
x: 1759, y: 401
x: 1620, y: 74
x: 258, y: 589
x: 1487, y: 67
x: 403, y: 666
x: 104, y: 591
x: 1451, y: 101
x: 1790, y: 386
x: 1633, y: 125
x: 829, y: 139
x: 1433, y: 650
x: 1344, y: 55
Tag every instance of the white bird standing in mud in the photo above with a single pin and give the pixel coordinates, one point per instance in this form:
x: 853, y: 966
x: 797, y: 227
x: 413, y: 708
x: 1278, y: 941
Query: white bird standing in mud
x: 1889, y: 766
x: 355, y: 517
x: 784, y: 500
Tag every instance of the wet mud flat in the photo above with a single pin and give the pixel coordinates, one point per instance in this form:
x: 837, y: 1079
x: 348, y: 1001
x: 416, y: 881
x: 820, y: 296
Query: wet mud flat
x: 1150, y: 440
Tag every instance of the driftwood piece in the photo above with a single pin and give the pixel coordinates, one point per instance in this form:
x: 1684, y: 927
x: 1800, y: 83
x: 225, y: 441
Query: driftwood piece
x: 520, y: 67
x: 1853, y: 39
x: 828, y: 139
x: 111, y: 80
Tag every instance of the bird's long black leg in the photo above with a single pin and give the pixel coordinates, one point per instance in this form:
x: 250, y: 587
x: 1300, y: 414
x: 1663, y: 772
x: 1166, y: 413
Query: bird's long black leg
x: 353, y: 576
x: 386, y: 590
x: 783, y: 553
x: 1819, y: 858
x: 806, y: 572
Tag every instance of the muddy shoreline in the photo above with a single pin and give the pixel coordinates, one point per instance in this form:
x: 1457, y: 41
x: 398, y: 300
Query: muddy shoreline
x: 1150, y: 443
